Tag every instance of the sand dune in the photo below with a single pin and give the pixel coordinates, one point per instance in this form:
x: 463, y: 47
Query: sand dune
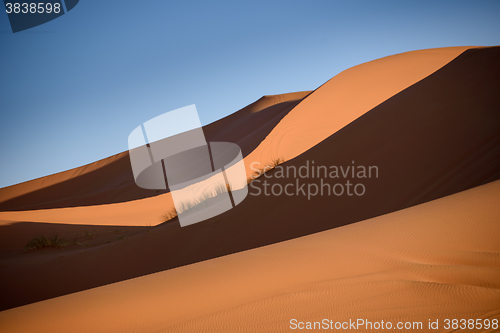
x: 438, y: 137
x: 247, y: 128
x: 111, y: 181
x: 434, y: 261
x: 142, y: 212
x: 346, y: 97
x: 15, y: 235
x: 290, y: 123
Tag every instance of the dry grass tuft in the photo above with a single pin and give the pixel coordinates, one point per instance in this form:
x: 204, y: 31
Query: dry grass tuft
x: 40, y: 242
x: 273, y: 164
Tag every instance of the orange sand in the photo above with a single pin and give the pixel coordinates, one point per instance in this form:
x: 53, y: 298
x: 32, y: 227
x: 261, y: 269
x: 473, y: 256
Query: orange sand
x: 317, y: 116
x: 433, y: 261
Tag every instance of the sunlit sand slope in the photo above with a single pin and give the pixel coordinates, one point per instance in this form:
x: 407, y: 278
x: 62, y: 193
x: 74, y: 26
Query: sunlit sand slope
x: 337, y: 103
x: 346, y: 97
x: 438, y: 137
x: 439, y: 260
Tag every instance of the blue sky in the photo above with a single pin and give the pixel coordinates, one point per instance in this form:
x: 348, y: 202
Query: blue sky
x: 74, y: 88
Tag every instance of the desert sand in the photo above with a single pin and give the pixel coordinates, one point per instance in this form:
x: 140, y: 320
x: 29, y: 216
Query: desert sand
x: 420, y: 244
x: 433, y: 261
x: 281, y: 126
x: 346, y: 97
x: 111, y: 181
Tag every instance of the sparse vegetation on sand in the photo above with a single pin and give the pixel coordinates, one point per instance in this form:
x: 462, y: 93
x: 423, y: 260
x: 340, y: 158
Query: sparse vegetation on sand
x: 273, y: 164
x: 40, y: 242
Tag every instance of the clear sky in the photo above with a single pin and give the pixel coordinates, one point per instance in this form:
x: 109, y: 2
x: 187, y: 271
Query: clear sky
x: 74, y: 88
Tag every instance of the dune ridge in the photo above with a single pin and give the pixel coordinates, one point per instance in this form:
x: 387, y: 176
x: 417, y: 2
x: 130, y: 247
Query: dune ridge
x: 294, y: 123
x: 454, y: 115
x: 346, y: 97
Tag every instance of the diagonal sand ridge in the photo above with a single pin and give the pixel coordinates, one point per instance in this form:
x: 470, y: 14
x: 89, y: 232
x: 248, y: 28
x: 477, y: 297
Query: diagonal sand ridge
x: 329, y: 108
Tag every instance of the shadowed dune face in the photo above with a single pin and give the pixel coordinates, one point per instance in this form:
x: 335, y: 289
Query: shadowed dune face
x: 438, y: 137
x: 346, y: 97
x: 314, y: 117
x: 432, y: 261
x: 15, y: 235
x: 111, y: 180
x: 331, y: 107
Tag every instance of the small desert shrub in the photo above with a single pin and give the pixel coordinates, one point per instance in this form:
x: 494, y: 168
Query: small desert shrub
x: 41, y: 242
x: 273, y: 164
x: 276, y: 161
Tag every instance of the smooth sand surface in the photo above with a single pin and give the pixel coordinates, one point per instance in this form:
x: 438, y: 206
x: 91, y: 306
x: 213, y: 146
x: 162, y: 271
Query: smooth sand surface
x: 438, y: 137
x: 279, y: 126
x: 346, y: 97
x: 142, y: 212
x: 433, y: 261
